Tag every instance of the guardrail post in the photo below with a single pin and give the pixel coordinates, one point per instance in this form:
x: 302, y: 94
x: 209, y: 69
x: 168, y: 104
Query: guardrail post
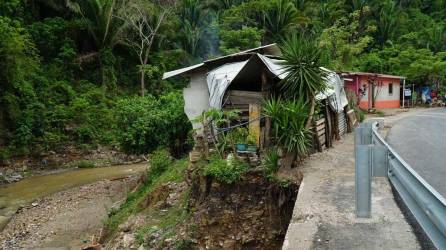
x: 370, y: 161
x: 363, y: 180
x: 379, y: 161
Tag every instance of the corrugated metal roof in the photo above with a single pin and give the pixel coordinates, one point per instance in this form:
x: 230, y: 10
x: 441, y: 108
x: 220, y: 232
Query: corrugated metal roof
x: 349, y: 73
x: 181, y: 71
x: 273, y: 48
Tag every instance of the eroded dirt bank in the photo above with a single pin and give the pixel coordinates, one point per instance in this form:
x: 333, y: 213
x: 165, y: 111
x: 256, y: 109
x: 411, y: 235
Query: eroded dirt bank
x: 253, y: 213
x: 65, y: 219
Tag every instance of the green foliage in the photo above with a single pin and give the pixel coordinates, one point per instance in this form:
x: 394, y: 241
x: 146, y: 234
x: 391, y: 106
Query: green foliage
x: 302, y: 62
x: 343, y: 41
x: 69, y: 78
x: 361, y: 115
x: 233, y: 41
x: 239, y: 135
x: 175, y: 173
x: 146, y: 123
x: 270, y: 162
x: 160, y: 160
x: 85, y: 164
x: 288, y: 120
x: 227, y: 171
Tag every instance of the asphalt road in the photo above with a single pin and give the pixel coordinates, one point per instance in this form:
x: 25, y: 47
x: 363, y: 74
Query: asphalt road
x: 421, y: 140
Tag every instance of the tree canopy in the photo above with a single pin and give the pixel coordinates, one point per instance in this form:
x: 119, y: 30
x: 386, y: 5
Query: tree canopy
x: 69, y: 68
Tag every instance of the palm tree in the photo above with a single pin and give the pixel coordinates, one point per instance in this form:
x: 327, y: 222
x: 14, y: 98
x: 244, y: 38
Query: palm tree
x: 220, y: 5
x: 280, y: 18
x: 387, y: 22
x: 104, y: 26
x: 305, y: 78
x: 193, y: 16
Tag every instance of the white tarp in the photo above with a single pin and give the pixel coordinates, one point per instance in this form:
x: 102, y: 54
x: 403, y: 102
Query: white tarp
x: 336, y: 97
x: 275, y: 66
x: 219, y: 79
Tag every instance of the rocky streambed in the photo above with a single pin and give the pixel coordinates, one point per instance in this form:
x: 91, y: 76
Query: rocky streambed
x: 52, y: 209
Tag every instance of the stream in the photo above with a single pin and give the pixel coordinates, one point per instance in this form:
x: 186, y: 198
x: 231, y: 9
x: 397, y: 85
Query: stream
x: 17, y: 194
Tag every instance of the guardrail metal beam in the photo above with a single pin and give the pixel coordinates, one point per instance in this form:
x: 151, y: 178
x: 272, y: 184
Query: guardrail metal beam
x: 373, y: 158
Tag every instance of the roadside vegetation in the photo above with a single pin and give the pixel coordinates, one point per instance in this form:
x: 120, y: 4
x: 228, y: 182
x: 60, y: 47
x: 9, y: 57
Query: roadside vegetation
x: 87, y: 74
x: 162, y: 169
x: 78, y: 73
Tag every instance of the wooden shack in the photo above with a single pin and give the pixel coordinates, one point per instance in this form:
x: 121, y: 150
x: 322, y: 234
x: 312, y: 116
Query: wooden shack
x: 242, y: 81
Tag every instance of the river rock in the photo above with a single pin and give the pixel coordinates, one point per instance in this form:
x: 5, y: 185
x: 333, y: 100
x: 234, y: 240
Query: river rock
x: 128, y: 240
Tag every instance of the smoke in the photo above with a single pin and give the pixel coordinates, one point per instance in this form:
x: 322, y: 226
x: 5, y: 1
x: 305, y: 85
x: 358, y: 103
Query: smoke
x: 210, y: 38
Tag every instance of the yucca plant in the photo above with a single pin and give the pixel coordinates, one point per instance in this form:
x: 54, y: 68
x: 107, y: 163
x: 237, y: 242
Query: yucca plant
x: 305, y: 78
x: 288, y: 118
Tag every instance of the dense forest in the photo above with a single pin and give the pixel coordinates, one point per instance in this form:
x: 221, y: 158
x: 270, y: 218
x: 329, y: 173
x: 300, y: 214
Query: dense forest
x: 86, y: 73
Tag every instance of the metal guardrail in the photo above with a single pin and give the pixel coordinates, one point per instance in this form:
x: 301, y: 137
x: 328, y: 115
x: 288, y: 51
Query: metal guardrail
x: 375, y: 158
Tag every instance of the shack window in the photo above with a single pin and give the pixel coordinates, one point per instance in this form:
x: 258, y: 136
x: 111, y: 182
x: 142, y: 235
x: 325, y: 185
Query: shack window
x: 390, y: 88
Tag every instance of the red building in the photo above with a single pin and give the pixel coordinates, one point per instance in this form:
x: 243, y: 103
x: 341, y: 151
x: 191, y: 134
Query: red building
x: 386, y: 89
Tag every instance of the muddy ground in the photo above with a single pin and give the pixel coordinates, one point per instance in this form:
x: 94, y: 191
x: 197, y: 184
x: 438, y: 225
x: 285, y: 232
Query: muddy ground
x: 66, y: 219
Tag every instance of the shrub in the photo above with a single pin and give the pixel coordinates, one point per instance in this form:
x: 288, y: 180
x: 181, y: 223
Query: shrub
x: 288, y: 118
x: 160, y: 160
x: 85, y: 164
x: 361, y: 115
x: 227, y: 171
x: 146, y: 123
x: 270, y: 162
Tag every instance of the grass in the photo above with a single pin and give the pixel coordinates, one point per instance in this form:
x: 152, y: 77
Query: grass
x: 174, y: 173
x: 380, y: 113
x: 165, y: 222
x: 84, y: 164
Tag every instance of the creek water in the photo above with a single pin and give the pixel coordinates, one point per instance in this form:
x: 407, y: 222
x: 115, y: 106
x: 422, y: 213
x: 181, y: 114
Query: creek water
x: 17, y: 194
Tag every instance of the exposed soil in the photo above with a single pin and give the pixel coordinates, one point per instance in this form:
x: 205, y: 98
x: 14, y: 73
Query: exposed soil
x: 251, y: 214
x: 65, y: 219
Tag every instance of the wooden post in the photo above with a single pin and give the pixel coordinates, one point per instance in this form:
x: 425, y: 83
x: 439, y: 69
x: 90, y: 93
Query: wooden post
x: 316, y: 137
x: 265, y: 142
x: 327, y: 126
x: 254, y: 122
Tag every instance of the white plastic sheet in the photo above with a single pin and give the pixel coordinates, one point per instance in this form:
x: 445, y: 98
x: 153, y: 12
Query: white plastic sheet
x: 219, y: 79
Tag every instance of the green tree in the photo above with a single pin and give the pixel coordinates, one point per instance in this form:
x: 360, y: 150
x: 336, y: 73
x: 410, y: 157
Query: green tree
x: 106, y: 29
x: 386, y: 22
x: 342, y: 41
x: 18, y: 65
x: 280, y: 19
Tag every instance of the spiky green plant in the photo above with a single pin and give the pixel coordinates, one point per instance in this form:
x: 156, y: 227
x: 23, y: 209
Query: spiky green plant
x: 305, y: 78
x: 288, y: 119
x: 280, y: 18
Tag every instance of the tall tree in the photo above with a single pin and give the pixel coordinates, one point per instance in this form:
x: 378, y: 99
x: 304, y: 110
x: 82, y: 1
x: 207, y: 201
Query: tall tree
x: 144, y: 21
x: 106, y: 29
x: 280, y: 18
x: 386, y: 22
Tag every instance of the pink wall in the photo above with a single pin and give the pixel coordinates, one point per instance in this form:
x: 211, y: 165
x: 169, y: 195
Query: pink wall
x: 386, y: 96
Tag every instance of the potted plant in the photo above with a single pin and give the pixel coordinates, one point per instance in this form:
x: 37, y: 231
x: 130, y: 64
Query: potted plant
x: 252, y: 143
x: 239, y: 136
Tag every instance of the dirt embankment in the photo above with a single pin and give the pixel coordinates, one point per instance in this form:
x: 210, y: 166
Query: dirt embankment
x: 66, y: 219
x: 251, y: 214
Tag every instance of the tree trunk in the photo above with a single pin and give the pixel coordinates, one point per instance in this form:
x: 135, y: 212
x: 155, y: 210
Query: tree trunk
x: 310, y: 115
x: 143, y: 88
